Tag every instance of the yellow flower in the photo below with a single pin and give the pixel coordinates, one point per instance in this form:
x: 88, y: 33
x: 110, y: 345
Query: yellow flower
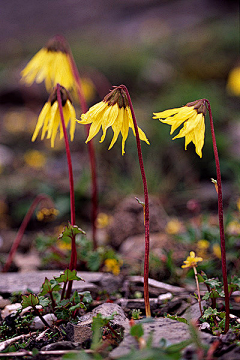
x: 49, y: 119
x: 51, y: 64
x: 173, y: 227
x: 217, y: 250
x: 103, y: 220
x: 233, y: 84
x: 192, y: 116
x: 35, y: 159
x: 113, y: 111
x: 192, y: 260
x: 203, y: 244
x: 233, y: 228
x: 238, y: 204
x: 47, y: 214
x: 113, y: 266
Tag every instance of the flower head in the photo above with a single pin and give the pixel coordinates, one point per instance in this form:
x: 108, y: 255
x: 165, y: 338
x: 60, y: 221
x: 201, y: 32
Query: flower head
x: 51, y: 64
x: 192, y: 260
x: 113, y: 111
x: 113, y: 266
x: 192, y: 116
x: 49, y: 119
x: 233, y: 84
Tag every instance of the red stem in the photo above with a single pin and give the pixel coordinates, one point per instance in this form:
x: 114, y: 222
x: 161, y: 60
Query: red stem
x: 91, y: 151
x: 22, y: 229
x: 69, y: 160
x: 220, y: 216
x: 146, y: 216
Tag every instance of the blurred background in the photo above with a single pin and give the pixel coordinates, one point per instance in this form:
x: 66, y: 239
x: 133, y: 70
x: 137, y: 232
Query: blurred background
x: 167, y: 53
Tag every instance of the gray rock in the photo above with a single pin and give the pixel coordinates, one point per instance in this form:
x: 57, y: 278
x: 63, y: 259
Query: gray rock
x: 171, y: 330
x: 128, y: 220
x: 78, y: 333
x: 38, y: 324
x: 193, y: 312
x: 82, y: 330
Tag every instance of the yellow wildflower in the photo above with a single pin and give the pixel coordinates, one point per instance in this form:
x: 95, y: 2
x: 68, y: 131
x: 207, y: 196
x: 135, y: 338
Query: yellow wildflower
x: 103, y: 220
x: 233, y: 84
x: 192, y: 116
x: 47, y: 214
x: 113, y: 266
x: 238, y: 204
x: 233, y: 228
x: 51, y: 64
x: 173, y: 227
x: 203, y: 244
x: 35, y: 159
x: 192, y: 260
x: 113, y: 111
x: 49, y: 119
x: 217, y: 250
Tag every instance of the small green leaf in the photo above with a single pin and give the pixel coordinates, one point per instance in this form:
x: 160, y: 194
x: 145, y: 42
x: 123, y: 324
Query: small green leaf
x: 44, y: 301
x: 177, y: 318
x: 29, y: 300
x: 137, y: 331
x: 87, y: 297
x: 48, y: 286
x: 70, y: 231
x: 67, y: 276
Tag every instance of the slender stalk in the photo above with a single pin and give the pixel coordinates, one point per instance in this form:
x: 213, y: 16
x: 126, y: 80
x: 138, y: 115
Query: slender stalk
x: 91, y: 151
x: 22, y: 229
x: 146, y: 215
x: 69, y: 160
x: 198, y: 290
x: 73, y: 259
x: 41, y: 317
x: 220, y: 216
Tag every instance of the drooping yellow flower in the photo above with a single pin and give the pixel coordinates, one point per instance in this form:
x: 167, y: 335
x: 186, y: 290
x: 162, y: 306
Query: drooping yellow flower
x: 49, y: 119
x: 192, y: 116
x: 233, y: 84
x: 192, y: 260
x: 51, y: 64
x: 217, y: 250
x: 113, y: 111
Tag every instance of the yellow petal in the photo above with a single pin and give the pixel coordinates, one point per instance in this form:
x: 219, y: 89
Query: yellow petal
x: 41, y: 119
x: 108, y: 118
x: 51, y: 124
x: 117, y: 126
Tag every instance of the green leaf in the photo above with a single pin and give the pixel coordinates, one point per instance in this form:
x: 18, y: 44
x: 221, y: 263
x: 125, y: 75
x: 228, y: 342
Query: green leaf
x: 68, y: 275
x: 87, y: 297
x: 70, y: 231
x: 177, y: 318
x: 137, y: 331
x: 29, y: 300
x: 77, y: 306
x: 213, y: 283
x: 44, y: 301
x: 48, y: 286
x: 209, y: 312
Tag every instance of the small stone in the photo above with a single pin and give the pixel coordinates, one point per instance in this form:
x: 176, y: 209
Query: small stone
x: 37, y: 323
x: 205, y: 326
x: 9, y: 309
x: 78, y: 333
x: 164, y: 297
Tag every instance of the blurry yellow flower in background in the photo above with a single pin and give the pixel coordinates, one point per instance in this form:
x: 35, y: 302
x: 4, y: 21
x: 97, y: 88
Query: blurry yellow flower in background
x: 202, y: 247
x: 217, y: 250
x: 192, y: 116
x: 233, y: 84
x: 113, y: 266
x: 113, y: 111
x: 192, y: 260
x: 49, y: 119
x: 238, y: 204
x: 51, y: 64
x: 35, y: 159
x: 173, y: 227
x: 103, y: 220
x: 47, y: 214
x: 233, y: 228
